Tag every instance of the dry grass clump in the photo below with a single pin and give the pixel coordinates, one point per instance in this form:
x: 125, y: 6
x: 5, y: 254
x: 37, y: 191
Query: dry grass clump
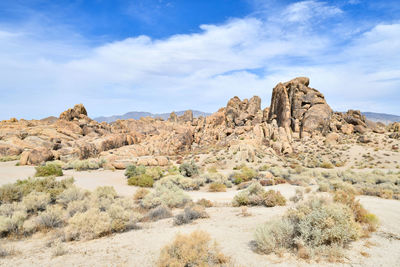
x: 140, y: 193
x: 167, y: 194
x: 7, y: 251
x: 217, y: 187
x: 215, y: 177
x: 50, y: 169
x: 255, y: 195
x: 205, y: 203
x: 195, y: 249
x: 85, y: 165
x: 190, y: 214
x: 142, y: 176
x: 326, y: 165
x: 316, y: 228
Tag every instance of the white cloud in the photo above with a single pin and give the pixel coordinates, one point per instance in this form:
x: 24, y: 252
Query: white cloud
x: 200, y: 71
x: 302, y: 12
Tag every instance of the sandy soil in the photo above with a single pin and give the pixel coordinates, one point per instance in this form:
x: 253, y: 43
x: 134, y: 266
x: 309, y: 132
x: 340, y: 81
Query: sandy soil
x: 233, y: 232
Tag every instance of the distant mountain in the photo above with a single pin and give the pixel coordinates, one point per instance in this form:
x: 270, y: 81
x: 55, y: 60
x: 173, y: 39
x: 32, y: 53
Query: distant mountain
x: 139, y: 114
x: 381, y: 117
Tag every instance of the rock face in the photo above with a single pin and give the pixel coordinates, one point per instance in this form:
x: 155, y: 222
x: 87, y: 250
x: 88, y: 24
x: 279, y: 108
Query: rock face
x: 241, y: 127
x: 73, y: 113
x: 298, y: 107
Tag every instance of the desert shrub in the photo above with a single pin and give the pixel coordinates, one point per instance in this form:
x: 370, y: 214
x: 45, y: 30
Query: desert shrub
x: 7, y: 251
x: 122, y: 218
x: 36, y: 201
x: 12, y: 224
x: 299, y: 195
x: 49, y: 169
x: 9, y: 158
x: 77, y: 206
x: 189, y: 169
x: 182, y: 182
x: 190, y: 214
x: 16, y: 191
x: 275, y: 236
x: 132, y: 170
x: 52, y: 217
x: 84, y: 165
x: 308, y: 227
x: 167, y: 194
x: 216, y: 178
x: 142, y: 180
x: 217, y: 187
x: 159, y: 213
x: 59, y: 250
x: 88, y: 225
x: 245, y: 174
x: 368, y: 220
x: 103, y: 197
x: 205, y: 203
x: 273, y: 198
x: 173, y: 170
x: 71, y: 194
x: 327, y: 165
x: 155, y: 172
x: 140, y: 193
x: 195, y: 249
x: 255, y: 195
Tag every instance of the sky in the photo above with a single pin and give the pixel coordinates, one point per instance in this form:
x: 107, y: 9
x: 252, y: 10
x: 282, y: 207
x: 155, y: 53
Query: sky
x: 116, y: 56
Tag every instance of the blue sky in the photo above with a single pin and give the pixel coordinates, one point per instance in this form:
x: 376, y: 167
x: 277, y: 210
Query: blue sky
x: 159, y: 55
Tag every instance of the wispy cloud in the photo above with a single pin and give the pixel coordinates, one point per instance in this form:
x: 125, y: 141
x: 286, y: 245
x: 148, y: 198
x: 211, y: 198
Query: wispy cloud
x: 203, y: 70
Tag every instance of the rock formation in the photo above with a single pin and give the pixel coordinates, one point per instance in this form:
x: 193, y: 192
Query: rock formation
x: 296, y: 111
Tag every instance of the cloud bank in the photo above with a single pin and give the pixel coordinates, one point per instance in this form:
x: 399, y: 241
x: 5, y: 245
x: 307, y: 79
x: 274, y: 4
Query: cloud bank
x: 244, y: 56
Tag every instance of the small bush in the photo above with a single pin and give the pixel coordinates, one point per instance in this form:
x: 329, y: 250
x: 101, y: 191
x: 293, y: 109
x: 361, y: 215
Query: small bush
x: 310, y: 226
x: 132, y: 170
x: 142, y: 180
x: 327, y: 165
x: 36, y: 201
x: 140, y: 193
x: 195, y: 249
x: 189, y: 214
x: 71, y: 194
x: 165, y: 194
x: 217, y: 187
x: 159, y: 213
x: 88, y: 225
x: 50, y: 218
x: 189, y: 169
x: 50, y: 169
x: 205, y: 203
x: 84, y: 165
x: 255, y: 195
x: 245, y: 174
x: 9, y: 158
x: 274, y: 198
x: 182, y: 182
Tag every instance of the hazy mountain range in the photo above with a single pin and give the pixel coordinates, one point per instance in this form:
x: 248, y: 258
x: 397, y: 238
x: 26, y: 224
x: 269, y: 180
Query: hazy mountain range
x: 376, y: 117
x: 138, y: 114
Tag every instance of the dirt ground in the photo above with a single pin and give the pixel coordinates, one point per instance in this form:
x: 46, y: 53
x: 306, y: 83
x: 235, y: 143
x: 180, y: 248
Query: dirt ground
x: 232, y: 231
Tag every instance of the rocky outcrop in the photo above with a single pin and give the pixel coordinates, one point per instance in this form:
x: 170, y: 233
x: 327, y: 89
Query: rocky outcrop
x: 241, y: 113
x: 73, y: 113
x: 298, y: 107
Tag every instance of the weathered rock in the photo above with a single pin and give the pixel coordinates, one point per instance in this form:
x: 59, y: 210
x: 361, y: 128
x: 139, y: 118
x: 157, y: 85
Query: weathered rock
x: 332, y: 138
x: 364, y: 139
x: 298, y: 107
x: 73, y: 113
x: 36, y: 156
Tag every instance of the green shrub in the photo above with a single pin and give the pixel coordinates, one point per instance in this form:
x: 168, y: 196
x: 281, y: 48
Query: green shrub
x: 16, y: 191
x: 50, y: 169
x: 167, y: 194
x: 84, y: 165
x: 142, y: 180
x: 245, y: 174
x: 255, y: 195
x: 132, y: 170
x: 189, y: 169
x: 9, y: 158
x: 182, y: 182
x: 310, y: 226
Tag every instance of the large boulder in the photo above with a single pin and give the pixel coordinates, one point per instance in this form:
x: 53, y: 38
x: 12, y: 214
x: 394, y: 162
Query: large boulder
x: 246, y: 112
x: 298, y: 107
x: 36, y: 156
